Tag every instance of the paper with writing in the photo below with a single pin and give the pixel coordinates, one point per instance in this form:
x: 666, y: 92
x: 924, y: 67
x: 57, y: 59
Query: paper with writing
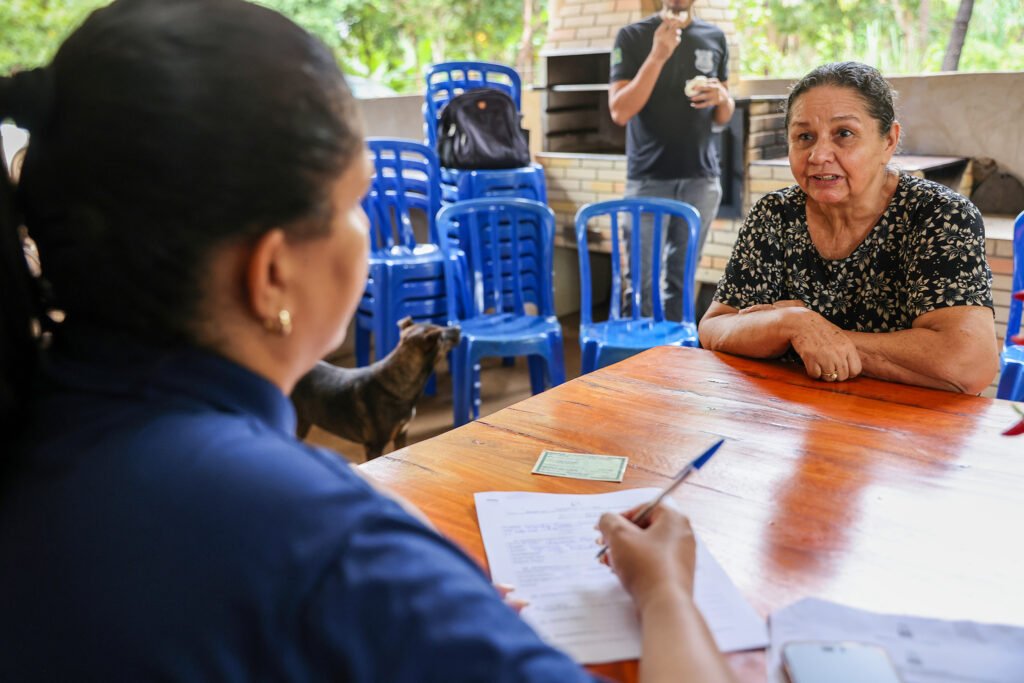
x: 544, y: 545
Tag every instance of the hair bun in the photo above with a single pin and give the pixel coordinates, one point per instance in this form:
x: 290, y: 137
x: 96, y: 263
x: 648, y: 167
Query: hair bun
x: 28, y: 98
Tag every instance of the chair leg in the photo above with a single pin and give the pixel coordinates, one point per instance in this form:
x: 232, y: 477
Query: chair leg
x: 537, y: 379
x: 588, y: 358
x: 1011, y: 382
x: 393, y: 336
x: 477, y: 382
x: 556, y: 368
x: 462, y: 377
x: 380, y: 335
x: 362, y: 346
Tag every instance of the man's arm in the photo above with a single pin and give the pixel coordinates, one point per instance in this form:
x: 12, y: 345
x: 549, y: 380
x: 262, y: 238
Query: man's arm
x: 949, y: 348
x: 627, y: 98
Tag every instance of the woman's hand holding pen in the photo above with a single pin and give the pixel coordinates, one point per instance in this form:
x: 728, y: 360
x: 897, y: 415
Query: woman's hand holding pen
x: 655, y: 561
x: 659, y: 554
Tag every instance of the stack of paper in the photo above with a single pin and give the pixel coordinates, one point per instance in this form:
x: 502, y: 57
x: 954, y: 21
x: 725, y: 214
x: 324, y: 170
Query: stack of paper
x: 544, y: 545
x: 923, y: 650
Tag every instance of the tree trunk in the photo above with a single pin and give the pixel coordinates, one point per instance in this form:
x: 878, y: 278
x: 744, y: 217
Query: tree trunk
x: 922, y: 33
x: 905, y: 20
x: 956, y: 37
x: 524, y: 60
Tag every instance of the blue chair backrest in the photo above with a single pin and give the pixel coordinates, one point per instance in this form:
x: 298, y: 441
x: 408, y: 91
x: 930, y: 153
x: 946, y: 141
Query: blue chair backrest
x: 509, y: 247
x: 633, y: 208
x: 448, y: 79
x: 528, y: 183
x: 1013, y: 321
x: 406, y: 176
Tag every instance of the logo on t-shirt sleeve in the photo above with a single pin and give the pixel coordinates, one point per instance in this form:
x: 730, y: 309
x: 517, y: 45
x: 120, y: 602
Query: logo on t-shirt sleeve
x: 617, y: 56
x: 704, y: 60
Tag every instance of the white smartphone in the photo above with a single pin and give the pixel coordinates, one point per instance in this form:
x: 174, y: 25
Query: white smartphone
x: 835, y: 662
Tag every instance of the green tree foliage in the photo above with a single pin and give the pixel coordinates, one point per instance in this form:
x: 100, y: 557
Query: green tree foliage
x: 780, y: 38
x: 32, y: 30
x: 390, y: 41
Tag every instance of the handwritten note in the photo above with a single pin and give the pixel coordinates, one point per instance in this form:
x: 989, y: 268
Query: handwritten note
x: 581, y: 465
x: 544, y: 545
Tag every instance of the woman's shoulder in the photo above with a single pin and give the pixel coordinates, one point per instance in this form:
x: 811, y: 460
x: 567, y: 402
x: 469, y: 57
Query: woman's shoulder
x: 787, y: 197
x: 783, y: 205
x: 931, y: 197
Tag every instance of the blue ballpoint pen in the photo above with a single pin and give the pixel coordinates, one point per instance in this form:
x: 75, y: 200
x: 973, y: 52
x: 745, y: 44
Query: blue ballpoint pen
x: 694, y: 464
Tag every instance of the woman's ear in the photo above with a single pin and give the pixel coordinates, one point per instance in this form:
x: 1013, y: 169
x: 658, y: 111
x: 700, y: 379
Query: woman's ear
x: 892, y: 139
x: 267, y: 275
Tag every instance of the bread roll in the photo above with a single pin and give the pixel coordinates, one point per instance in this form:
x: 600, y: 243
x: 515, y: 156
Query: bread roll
x: 694, y: 84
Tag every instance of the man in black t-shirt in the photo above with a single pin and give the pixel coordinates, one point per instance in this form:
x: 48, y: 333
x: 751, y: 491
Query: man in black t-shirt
x: 669, y: 84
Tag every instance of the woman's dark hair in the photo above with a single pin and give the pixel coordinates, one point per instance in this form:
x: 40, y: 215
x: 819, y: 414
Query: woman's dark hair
x: 876, y: 93
x: 163, y: 128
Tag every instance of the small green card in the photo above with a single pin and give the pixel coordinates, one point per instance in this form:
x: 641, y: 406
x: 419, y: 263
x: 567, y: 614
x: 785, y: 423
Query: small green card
x: 581, y: 465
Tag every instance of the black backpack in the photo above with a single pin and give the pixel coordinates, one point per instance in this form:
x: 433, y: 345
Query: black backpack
x: 480, y: 129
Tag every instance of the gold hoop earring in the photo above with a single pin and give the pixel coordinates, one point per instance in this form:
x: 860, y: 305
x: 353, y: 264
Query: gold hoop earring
x: 283, y: 324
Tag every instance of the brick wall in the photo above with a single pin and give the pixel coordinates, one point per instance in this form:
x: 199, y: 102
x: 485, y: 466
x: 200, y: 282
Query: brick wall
x: 765, y: 139
x: 577, y: 179
x: 584, y: 24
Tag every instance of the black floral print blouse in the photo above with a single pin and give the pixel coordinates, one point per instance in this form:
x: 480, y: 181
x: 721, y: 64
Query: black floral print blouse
x: 926, y: 252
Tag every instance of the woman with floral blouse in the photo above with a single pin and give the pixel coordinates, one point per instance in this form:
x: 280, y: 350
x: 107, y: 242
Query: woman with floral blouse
x: 859, y: 268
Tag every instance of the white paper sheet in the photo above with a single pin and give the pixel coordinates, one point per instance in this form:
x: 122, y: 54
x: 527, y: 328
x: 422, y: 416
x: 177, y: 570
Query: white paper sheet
x: 923, y: 650
x: 544, y: 545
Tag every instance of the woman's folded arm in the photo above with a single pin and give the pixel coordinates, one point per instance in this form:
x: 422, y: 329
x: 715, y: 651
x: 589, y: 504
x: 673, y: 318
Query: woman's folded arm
x: 949, y: 348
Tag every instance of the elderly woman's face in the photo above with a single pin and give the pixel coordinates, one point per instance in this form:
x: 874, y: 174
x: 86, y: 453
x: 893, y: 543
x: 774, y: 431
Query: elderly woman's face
x: 836, y: 151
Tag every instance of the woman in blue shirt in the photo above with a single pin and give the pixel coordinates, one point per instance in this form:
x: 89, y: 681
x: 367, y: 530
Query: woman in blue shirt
x: 193, y: 183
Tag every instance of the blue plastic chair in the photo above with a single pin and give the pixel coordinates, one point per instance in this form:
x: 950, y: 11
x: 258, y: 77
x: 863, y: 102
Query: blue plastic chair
x: 1011, y: 360
x: 448, y: 79
x: 618, y: 338
x: 527, y: 182
x: 498, y: 237
x: 445, y: 81
x: 405, y: 277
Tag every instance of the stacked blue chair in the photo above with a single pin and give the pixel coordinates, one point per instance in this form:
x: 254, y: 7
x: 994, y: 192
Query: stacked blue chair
x: 508, y: 249
x: 617, y: 338
x: 405, y: 278
x: 445, y: 81
x: 1011, y: 360
x: 525, y: 183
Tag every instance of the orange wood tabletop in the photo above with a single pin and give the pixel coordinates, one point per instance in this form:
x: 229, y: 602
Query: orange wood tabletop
x: 877, y: 495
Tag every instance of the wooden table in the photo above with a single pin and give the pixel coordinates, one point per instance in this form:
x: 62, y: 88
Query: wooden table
x: 880, y: 496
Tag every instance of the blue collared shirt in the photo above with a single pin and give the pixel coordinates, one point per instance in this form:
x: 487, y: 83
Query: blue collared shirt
x: 162, y: 522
